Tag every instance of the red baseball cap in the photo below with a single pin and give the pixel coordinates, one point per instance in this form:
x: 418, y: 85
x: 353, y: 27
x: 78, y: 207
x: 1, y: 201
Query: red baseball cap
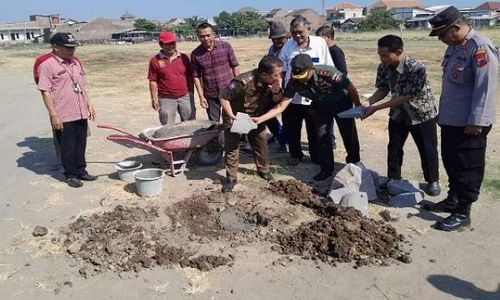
x: 167, y: 37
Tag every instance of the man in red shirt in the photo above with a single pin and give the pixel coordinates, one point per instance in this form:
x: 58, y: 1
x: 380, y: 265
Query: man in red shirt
x: 170, y: 82
x: 62, y: 84
x: 214, y: 66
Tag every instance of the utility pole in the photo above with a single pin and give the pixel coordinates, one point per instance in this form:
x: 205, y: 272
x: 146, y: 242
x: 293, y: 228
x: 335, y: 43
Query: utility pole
x: 323, y: 7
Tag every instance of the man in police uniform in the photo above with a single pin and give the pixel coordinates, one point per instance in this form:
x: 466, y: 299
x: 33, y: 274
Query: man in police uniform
x: 466, y: 112
x: 253, y: 93
x: 330, y: 93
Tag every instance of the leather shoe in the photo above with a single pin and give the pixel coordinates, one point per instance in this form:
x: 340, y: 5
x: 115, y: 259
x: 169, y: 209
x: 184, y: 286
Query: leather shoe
x: 228, y: 186
x: 74, y: 182
x: 293, y: 161
x: 322, y: 175
x: 433, y: 188
x: 453, y: 222
x: 448, y: 205
x: 87, y: 177
x: 266, y: 176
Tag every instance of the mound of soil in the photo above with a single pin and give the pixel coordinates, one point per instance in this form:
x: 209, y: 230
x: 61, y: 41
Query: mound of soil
x: 129, y: 239
x: 216, y: 214
x: 298, y: 192
x: 189, y: 233
x: 340, y: 234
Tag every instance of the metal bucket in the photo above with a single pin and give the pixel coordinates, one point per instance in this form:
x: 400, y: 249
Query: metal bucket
x: 149, y: 182
x: 126, y: 169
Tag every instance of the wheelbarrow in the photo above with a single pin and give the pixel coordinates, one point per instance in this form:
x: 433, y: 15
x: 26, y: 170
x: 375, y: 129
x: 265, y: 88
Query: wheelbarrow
x: 191, y: 137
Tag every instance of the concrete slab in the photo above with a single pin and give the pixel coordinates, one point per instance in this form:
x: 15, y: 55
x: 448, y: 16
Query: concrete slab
x: 357, y: 200
x: 396, y: 187
x: 406, y: 200
x: 243, y: 124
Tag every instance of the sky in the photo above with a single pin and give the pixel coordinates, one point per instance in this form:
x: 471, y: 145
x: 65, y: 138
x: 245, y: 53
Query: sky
x: 19, y: 10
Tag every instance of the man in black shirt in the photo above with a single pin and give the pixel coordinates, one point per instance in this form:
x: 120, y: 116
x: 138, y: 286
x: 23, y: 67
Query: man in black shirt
x: 338, y: 57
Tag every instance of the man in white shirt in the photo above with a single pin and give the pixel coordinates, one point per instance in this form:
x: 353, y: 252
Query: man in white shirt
x: 299, y: 109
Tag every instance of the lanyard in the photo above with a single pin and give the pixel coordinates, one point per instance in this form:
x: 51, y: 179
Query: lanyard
x: 70, y: 72
x: 76, y: 85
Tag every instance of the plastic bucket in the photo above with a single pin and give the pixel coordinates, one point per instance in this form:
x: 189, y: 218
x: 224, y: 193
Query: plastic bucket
x: 149, y: 182
x: 126, y: 169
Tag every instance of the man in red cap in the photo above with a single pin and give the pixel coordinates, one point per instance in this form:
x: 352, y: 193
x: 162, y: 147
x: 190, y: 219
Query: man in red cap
x: 170, y: 82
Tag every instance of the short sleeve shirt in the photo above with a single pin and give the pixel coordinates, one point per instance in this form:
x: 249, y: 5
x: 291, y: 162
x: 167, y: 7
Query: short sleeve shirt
x: 214, y: 67
x: 408, y: 79
x: 172, y: 75
x: 58, y: 77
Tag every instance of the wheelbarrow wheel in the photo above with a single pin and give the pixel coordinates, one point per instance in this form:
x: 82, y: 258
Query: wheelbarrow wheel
x: 211, y: 154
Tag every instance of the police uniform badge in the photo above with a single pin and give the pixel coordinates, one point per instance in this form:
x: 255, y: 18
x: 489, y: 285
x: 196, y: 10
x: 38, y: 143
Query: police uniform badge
x: 481, y: 57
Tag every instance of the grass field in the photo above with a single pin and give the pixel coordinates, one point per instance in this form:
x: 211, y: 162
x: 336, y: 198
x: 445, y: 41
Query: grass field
x: 118, y: 84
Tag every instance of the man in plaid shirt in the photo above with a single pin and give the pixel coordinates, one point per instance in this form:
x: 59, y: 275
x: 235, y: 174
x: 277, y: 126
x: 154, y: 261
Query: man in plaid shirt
x: 214, y: 66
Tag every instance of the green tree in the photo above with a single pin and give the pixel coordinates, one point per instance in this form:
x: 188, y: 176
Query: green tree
x: 379, y: 20
x: 188, y: 27
x: 224, y: 20
x: 146, y: 25
x: 233, y: 24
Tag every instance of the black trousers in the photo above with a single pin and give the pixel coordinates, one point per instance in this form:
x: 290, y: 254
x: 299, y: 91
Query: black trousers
x: 425, y: 137
x: 464, y: 160
x: 213, y: 109
x: 323, y: 118
x: 293, y: 116
x: 277, y: 130
x: 73, y: 142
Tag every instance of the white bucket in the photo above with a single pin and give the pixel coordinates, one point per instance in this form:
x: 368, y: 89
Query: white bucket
x: 126, y: 169
x: 149, y: 182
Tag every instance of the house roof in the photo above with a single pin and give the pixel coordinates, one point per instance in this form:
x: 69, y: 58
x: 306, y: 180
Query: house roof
x: 20, y: 25
x: 127, y: 15
x: 276, y: 10
x: 396, y: 3
x: 490, y: 5
x: 246, y: 9
x: 343, y: 5
x: 484, y: 17
x: 300, y: 11
x: 417, y: 19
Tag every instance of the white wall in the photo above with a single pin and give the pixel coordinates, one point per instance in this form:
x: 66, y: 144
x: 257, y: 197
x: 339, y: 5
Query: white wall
x: 19, y: 35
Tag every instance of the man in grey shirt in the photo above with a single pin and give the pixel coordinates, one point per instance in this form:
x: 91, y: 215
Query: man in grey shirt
x: 466, y: 112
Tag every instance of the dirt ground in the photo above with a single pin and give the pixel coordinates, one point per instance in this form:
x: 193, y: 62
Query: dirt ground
x: 192, y: 242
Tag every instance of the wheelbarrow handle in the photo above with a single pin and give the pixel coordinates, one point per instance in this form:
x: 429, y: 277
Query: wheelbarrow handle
x: 135, y: 140
x: 106, y: 126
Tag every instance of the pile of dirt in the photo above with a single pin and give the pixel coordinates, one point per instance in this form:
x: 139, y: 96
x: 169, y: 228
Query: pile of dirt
x: 219, y: 215
x: 201, y: 230
x: 298, y: 192
x: 340, y: 234
x: 130, y: 239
